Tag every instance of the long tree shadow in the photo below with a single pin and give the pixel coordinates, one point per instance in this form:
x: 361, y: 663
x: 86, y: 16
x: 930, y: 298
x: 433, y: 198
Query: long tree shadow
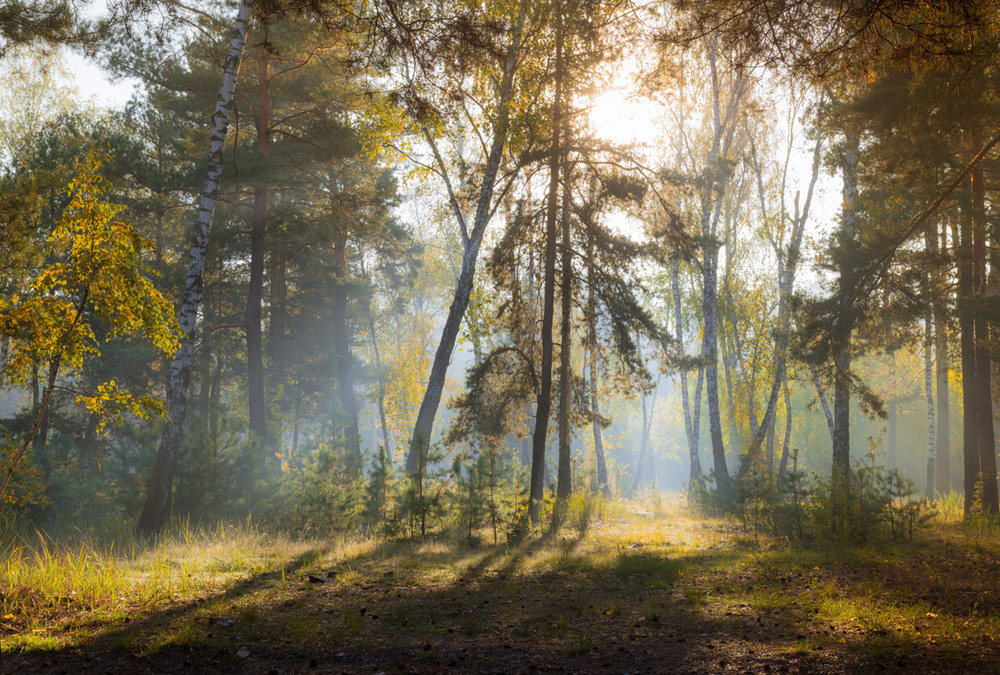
x: 496, y: 609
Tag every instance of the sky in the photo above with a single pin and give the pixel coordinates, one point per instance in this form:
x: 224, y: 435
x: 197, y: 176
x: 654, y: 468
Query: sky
x: 93, y: 83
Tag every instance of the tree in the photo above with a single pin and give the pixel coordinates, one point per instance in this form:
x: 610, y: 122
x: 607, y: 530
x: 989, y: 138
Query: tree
x: 501, y: 92
x: 99, y: 273
x: 158, y: 494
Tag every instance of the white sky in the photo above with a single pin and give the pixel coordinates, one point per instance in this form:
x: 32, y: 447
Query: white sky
x: 93, y: 84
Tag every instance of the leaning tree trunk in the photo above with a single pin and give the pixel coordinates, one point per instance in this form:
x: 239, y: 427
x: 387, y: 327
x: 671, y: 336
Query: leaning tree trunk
x: 154, y: 510
x: 420, y: 440
x: 787, y: 269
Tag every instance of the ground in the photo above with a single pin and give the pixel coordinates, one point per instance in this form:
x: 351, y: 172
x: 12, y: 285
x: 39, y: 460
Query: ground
x: 644, y: 588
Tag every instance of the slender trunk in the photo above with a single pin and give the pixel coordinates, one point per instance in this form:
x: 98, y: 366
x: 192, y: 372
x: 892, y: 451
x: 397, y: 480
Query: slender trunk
x: 788, y: 263
x: 709, y: 353
x: 347, y: 417
x: 255, y: 291
x: 970, y: 410
x: 893, y: 410
x: 643, y: 446
x: 602, y: 469
x: 381, y: 387
x: 277, y: 319
x: 787, y: 442
x: 943, y: 442
x: 420, y: 440
x: 929, y: 396
x: 252, y: 320
x: 40, y: 417
x: 564, y: 478
x: 984, y: 389
x: 695, y: 477
x: 158, y: 489
x: 824, y: 403
x: 712, y: 199
x: 548, y: 303
x: 641, y: 466
x: 842, y: 382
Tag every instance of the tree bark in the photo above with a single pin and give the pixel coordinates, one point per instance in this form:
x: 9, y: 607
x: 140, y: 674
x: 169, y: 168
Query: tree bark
x: 159, y: 487
x: 842, y: 382
x: 647, y: 424
x: 970, y: 411
x: 695, y: 478
x: 548, y: 303
x: 788, y: 263
x: 712, y: 198
x: 564, y: 478
x: 595, y: 411
x: 420, y: 440
x: 255, y: 292
x: 942, y: 453
x: 981, y: 326
x: 929, y: 396
x: 893, y: 411
x: 347, y: 417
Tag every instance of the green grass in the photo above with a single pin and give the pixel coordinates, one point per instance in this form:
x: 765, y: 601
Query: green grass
x: 651, y: 573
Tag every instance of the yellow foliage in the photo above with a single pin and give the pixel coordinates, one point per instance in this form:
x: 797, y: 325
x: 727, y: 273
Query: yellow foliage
x: 98, y: 269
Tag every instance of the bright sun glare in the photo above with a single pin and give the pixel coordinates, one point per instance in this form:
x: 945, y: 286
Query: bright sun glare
x: 620, y: 118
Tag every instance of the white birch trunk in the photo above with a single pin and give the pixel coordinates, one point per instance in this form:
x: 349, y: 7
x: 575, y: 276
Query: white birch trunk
x: 158, y: 491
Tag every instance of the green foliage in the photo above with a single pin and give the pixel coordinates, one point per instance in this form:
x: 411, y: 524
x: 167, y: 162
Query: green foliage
x: 325, y: 496
x: 864, y: 506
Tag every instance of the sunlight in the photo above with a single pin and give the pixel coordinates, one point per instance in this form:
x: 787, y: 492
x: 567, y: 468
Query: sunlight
x: 622, y: 117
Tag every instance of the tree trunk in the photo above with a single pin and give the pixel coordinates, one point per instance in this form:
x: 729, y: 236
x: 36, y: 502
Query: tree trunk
x: 252, y: 321
x: 420, y: 440
x: 695, y: 478
x: 929, y: 396
x: 787, y: 441
x: 970, y: 410
x: 709, y: 352
x: 788, y: 263
x: 647, y: 424
x: 602, y: 469
x: 347, y: 417
x: 276, y: 327
x: 942, y: 452
x: 548, y: 303
x: 564, y: 478
x: 984, y: 389
x: 381, y: 386
x: 893, y: 410
x: 158, y: 489
x: 255, y: 292
x: 842, y: 382
x: 711, y: 205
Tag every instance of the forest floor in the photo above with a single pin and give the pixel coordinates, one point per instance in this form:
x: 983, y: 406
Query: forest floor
x: 649, y: 588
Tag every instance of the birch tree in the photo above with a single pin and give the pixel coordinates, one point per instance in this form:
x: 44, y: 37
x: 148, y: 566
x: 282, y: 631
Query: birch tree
x: 158, y: 490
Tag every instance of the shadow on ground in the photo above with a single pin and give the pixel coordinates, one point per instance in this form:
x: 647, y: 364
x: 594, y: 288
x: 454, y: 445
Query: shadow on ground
x: 547, y: 604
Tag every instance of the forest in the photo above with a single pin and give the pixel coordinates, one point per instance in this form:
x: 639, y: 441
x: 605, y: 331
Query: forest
x: 502, y: 336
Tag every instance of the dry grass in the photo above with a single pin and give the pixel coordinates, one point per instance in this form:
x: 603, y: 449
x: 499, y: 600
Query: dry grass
x: 651, y: 575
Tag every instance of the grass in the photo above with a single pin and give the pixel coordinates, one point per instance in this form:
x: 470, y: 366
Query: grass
x: 637, y: 580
